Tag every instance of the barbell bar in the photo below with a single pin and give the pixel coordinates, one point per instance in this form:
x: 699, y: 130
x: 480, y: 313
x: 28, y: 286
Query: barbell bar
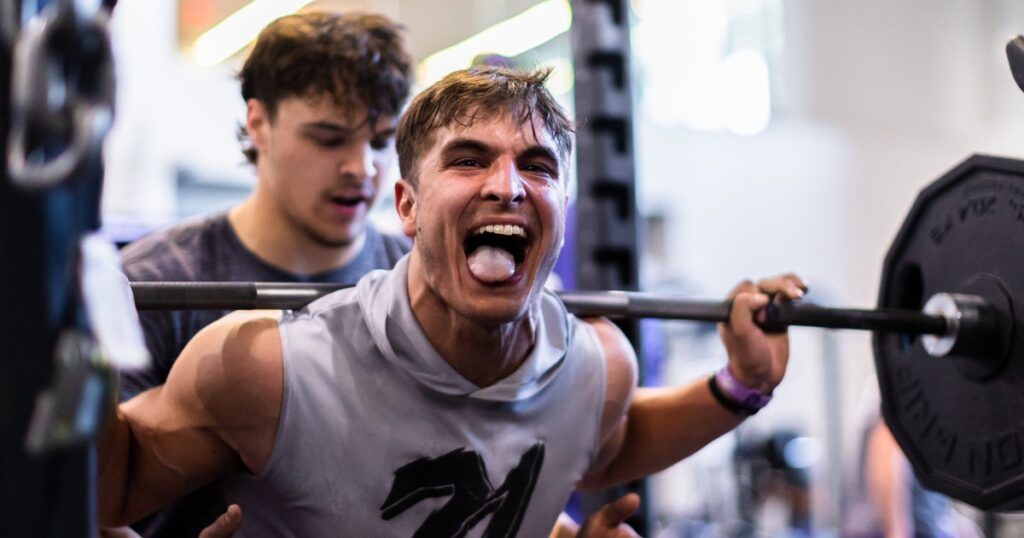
x: 952, y: 320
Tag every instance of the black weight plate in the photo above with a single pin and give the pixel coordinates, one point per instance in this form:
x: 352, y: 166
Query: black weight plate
x: 960, y: 420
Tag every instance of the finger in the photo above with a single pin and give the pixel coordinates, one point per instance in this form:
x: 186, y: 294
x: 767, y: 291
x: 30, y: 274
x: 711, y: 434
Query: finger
x: 745, y: 306
x: 622, y: 509
x: 745, y: 286
x: 226, y: 525
x: 625, y: 531
x: 788, y: 286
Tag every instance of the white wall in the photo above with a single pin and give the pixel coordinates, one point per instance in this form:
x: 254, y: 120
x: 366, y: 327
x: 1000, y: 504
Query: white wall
x: 880, y: 99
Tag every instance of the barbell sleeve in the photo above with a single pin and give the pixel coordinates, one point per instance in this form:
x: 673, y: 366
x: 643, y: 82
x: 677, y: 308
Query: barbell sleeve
x: 785, y: 314
x: 632, y: 304
x: 227, y: 295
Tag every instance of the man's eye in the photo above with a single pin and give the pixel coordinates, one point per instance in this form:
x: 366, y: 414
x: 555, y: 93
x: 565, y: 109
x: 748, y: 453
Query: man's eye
x: 538, y: 169
x: 329, y: 142
x: 467, y: 163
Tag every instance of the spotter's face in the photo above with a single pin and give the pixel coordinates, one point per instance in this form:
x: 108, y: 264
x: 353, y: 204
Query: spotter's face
x: 321, y: 166
x: 488, y: 217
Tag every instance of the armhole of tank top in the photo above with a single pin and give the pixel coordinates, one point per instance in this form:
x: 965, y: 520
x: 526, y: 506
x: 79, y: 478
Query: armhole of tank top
x: 282, y: 421
x: 602, y: 384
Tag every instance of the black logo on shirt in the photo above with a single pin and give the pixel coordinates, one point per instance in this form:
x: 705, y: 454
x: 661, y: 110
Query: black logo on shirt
x: 461, y: 474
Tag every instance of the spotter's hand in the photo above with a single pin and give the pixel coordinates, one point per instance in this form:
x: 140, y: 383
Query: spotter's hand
x: 610, y: 520
x: 756, y: 359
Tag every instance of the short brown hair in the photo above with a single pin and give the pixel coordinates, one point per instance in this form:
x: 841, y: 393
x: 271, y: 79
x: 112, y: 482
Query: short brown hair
x: 358, y: 59
x: 464, y: 96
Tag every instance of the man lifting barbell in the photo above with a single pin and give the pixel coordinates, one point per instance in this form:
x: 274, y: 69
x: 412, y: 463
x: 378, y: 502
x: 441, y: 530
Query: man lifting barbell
x: 450, y: 374
x: 967, y: 335
x: 307, y: 125
x: 951, y: 277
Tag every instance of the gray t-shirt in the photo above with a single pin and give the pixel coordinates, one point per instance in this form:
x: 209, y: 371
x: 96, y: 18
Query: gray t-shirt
x: 208, y: 249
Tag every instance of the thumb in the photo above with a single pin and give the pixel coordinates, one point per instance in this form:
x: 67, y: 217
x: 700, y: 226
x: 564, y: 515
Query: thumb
x: 614, y: 513
x: 226, y: 525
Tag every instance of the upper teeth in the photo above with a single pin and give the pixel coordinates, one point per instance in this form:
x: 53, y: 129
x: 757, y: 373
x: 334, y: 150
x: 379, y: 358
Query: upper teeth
x: 502, y: 229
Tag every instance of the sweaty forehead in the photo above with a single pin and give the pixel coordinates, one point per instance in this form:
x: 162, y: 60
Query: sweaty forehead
x: 501, y: 132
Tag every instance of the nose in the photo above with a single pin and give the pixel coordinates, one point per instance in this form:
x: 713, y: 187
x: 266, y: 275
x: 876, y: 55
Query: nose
x: 360, y: 162
x: 504, y: 186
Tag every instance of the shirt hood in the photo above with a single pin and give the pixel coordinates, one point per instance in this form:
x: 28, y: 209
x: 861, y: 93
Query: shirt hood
x: 384, y: 300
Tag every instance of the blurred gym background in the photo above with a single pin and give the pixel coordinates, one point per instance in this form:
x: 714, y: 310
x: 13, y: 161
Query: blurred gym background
x: 769, y: 135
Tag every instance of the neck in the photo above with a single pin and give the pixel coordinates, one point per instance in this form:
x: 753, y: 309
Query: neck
x: 482, y: 353
x: 269, y: 235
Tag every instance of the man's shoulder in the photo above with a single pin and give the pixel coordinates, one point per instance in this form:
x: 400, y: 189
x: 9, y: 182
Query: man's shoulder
x: 620, y: 358
x: 232, y: 372
x: 248, y: 342
x: 173, y: 252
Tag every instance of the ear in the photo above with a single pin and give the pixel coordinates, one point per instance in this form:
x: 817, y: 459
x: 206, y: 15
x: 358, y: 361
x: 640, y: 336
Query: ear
x: 257, y: 121
x: 405, y: 205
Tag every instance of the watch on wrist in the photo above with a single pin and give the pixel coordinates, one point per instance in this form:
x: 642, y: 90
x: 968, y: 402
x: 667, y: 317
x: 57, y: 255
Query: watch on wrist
x: 736, y: 396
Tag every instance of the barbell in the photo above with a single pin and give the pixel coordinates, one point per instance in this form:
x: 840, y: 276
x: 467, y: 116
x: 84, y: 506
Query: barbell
x: 962, y: 318
x: 953, y: 398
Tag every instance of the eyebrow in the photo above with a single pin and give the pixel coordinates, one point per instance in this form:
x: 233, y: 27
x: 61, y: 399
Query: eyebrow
x: 470, y: 144
x: 543, y: 152
x: 345, y: 130
x: 466, y: 144
x: 327, y: 126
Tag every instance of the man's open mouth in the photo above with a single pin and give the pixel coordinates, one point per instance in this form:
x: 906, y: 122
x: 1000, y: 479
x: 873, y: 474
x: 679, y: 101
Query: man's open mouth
x: 495, y: 251
x: 347, y: 201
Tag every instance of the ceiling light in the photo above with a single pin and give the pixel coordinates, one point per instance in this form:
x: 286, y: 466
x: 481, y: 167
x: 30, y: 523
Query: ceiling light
x: 239, y: 29
x: 511, y: 37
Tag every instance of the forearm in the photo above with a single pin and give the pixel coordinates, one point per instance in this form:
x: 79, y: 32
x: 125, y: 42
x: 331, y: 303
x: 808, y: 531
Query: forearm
x: 664, y: 426
x: 137, y: 469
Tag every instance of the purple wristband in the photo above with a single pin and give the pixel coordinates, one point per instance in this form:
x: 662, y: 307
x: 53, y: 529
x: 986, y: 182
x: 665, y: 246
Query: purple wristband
x: 746, y: 397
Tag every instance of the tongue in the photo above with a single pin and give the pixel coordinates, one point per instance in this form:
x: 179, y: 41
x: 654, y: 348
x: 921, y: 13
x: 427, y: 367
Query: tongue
x: 492, y: 264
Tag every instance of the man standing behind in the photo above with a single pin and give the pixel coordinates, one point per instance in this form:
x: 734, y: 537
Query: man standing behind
x: 323, y: 93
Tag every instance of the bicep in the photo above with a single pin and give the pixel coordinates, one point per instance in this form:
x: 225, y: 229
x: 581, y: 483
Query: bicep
x: 242, y: 388
x: 185, y: 432
x: 175, y: 446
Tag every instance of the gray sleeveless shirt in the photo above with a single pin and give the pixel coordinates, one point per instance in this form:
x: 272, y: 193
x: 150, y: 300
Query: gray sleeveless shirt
x: 379, y: 436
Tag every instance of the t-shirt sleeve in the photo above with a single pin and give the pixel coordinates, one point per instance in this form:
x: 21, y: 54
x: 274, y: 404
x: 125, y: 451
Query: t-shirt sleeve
x: 160, y: 328
x: 395, y: 247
